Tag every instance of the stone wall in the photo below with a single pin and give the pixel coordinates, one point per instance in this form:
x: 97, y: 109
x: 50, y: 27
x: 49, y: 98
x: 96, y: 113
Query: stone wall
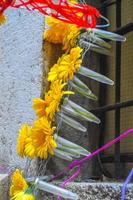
x: 20, y: 77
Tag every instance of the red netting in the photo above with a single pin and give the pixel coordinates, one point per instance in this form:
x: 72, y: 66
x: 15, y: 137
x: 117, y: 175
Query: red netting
x: 79, y: 14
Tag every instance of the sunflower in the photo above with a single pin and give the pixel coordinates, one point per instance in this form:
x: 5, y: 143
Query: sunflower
x: 70, y: 39
x: 61, y: 32
x: 39, y: 106
x: 66, y: 66
x: 19, y: 189
x: 42, y: 137
x: 18, y: 184
x: 56, y: 31
x: 52, y: 100
x: 24, y: 196
x: 56, y: 94
x: 23, y: 140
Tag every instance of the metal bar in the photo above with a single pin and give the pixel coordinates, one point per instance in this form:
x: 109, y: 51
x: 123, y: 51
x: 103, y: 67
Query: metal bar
x: 117, y: 92
x: 107, y: 3
x: 102, y: 89
x: 102, y: 101
x: 125, y: 29
x: 113, y: 106
x: 125, y: 157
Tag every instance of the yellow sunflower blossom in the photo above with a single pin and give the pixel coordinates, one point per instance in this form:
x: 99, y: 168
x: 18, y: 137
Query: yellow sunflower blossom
x: 56, y: 94
x: 23, y: 196
x: 23, y: 140
x: 2, y: 19
x: 61, y: 32
x: 66, y: 66
x: 51, y: 103
x: 18, y: 184
x: 19, y: 189
x: 71, y: 37
x: 39, y: 106
x: 55, y: 32
x: 42, y: 137
x: 29, y: 148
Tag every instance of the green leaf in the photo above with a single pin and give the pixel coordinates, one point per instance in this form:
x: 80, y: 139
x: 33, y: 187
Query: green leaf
x: 71, y: 147
x: 74, y: 153
x: 85, y: 92
x: 109, y: 35
x: 99, y: 49
x: 94, y: 47
x: 81, y: 112
x: 82, y: 88
x: 101, y: 43
x: 65, y: 142
x: 93, y: 38
x: 69, y: 111
x: 62, y: 155
x: 71, y: 122
x: 95, y: 76
x: 79, y: 83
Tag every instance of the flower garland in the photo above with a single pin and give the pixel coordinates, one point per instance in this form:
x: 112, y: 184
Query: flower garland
x: 40, y: 140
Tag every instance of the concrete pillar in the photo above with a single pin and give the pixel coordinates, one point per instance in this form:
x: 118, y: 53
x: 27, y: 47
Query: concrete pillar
x: 20, y: 77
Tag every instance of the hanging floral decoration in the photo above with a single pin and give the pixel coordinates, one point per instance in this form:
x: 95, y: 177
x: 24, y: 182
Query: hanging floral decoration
x: 73, y: 25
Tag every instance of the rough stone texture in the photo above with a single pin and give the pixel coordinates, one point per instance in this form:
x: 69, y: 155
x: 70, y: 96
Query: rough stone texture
x: 4, y: 186
x: 96, y: 191
x: 20, y: 77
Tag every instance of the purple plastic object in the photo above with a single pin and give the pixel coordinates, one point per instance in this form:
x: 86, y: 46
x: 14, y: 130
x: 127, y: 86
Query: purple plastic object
x: 128, y: 179
x: 70, y: 179
x: 78, y: 163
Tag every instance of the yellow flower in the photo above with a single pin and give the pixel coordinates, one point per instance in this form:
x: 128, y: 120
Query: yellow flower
x: 61, y: 32
x: 66, y: 66
x: 56, y: 94
x: 29, y: 148
x: 71, y: 37
x: 39, y: 106
x: 23, y: 196
x: 42, y: 137
x: 24, y: 132
x: 56, y: 30
x: 24, y: 142
x: 19, y: 189
x: 2, y: 19
x: 52, y: 101
x: 19, y: 184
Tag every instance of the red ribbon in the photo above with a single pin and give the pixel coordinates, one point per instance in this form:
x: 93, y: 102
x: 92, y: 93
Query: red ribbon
x: 82, y: 15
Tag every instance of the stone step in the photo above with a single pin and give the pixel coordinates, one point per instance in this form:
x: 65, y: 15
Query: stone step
x: 86, y: 191
x: 96, y: 191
